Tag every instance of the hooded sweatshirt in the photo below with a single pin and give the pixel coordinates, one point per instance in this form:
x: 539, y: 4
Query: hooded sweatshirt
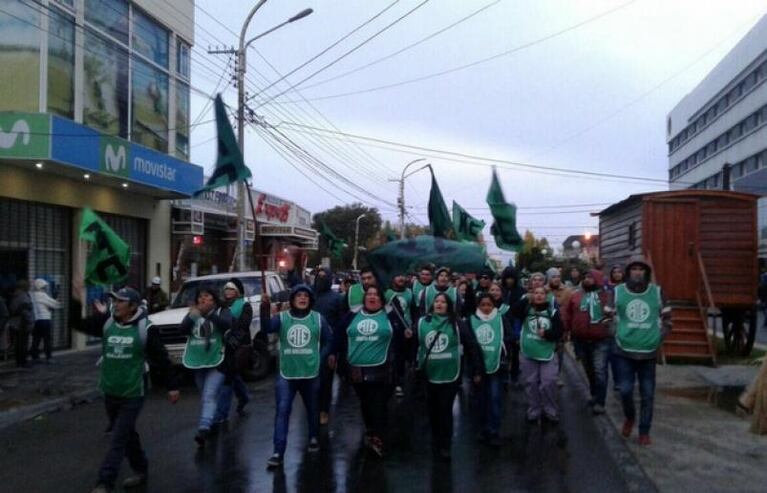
x: 327, y: 302
x: 511, y: 296
x: 584, y: 310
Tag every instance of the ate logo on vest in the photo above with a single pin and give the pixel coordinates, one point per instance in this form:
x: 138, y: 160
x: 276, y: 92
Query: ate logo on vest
x: 299, y: 336
x: 485, y: 334
x: 119, y: 343
x: 638, y: 311
x: 441, y: 343
x: 367, y: 327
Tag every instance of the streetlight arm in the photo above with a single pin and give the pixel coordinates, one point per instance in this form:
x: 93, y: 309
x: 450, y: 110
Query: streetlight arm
x: 416, y: 171
x: 296, y: 17
x: 247, y: 22
x: 409, y: 164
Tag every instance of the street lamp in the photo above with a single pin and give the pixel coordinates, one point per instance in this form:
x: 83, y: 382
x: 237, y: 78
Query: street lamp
x: 241, y: 69
x: 401, y: 200
x: 356, y: 240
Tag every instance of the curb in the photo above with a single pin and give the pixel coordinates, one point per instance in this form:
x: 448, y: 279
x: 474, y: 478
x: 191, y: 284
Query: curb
x: 25, y: 413
x: 634, y: 475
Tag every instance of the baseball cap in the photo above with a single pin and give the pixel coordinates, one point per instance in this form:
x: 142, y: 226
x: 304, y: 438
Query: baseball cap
x: 156, y: 280
x: 126, y: 294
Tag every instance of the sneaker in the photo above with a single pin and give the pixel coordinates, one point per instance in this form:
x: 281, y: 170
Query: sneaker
x: 376, y: 445
x: 274, y: 461
x: 101, y: 488
x: 200, y: 437
x: 551, y: 418
x: 598, y: 409
x: 324, y: 418
x: 135, y: 480
x: 628, y: 426
x: 398, y: 392
x: 314, y: 446
x: 560, y: 382
x: 241, y: 407
x: 644, y: 440
x: 533, y: 420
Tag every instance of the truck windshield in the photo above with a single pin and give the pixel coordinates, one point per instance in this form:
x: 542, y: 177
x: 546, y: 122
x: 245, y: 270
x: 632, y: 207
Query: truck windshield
x: 188, y: 291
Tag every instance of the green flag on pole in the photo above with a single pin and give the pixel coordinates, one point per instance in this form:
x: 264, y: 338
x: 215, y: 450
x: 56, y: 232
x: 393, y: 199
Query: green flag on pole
x: 467, y: 227
x: 335, y: 246
x: 504, y: 227
x: 108, y: 257
x: 230, y: 166
x: 439, y: 216
x: 403, y: 256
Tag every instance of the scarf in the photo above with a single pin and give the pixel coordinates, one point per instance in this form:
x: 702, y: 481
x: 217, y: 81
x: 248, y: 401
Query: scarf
x: 590, y: 302
x: 484, y: 317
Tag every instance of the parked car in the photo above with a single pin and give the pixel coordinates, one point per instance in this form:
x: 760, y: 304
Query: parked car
x: 264, y: 348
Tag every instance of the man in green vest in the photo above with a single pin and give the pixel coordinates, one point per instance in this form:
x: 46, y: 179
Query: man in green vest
x: 441, y: 285
x: 356, y: 292
x: 425, y: 279
x: 128, y: 342
x: 400, y: 298
x: 642, y: 320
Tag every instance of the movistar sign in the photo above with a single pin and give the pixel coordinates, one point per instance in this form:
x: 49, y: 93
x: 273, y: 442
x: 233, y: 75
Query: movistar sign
x: 24, y: 135
x: 114, y: 156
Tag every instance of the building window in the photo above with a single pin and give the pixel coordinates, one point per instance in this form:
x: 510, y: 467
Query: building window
x: 632, y: 235
x: 61, y: 64
x: 183, y: 66
x: 182, y: 120
x: 737, y: 171
x: 150, y: 39
x: 751, y: 165
x: 110, y: 16
x: 105, y: 98
x: 149, y: 107
x: 19, y: 57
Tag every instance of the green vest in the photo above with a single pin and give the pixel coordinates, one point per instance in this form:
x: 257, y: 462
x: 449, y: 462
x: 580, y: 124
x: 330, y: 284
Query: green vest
x: 405, y: 299
x: 638, y: 319
x: 444, y: 362
x: 122, y: 366
x: 355, y: 297
x: 432, y: 292
x: 369, y: 338
x: 503, y: 309
x: 532, y: 345
x: 490, y: 338
x: 199, y: 353
x: 418, y: 288
x: 300, y: 345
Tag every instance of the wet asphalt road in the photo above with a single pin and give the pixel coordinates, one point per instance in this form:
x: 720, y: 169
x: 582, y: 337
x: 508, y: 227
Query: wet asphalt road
x: 62, y: 452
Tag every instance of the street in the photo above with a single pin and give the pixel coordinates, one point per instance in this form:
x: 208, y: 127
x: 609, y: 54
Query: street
x: 61, y: 452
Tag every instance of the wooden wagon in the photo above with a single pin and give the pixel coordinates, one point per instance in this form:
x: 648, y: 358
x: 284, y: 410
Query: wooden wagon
x: 702, y: 245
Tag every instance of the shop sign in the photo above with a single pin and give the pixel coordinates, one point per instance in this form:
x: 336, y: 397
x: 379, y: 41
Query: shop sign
x: 269, y: 230
x: 272, y: 212
x: 25, y: 135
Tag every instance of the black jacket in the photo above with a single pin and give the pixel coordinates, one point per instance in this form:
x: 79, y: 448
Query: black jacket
x: 520, y: 310
x: 222, y: 320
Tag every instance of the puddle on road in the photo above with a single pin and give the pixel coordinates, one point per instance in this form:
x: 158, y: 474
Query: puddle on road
x: 724, y: 398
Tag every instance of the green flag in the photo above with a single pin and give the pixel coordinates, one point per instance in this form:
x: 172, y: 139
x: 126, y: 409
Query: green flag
x: 504, y: 227
x: 230, y: 166
x: 402, y: 256
x: 439, y: 216
x: 335, y: 246
x: 109, y: 256
x: 467, y: 228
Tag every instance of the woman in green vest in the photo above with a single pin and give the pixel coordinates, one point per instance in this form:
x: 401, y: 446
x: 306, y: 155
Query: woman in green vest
x: 539, y: 366
x: 372, y: 339
x: 306, y: 340
x: 440, y: 335
x: 496, y: 294
x: 494, y: 333
x: 205, y: 326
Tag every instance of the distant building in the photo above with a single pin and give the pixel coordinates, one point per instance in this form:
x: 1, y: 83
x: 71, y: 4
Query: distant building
x: 723, y: 121
x: 585, y: 247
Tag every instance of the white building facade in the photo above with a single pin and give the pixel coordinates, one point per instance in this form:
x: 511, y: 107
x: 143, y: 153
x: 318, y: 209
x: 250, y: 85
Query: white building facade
x: 723, y: 121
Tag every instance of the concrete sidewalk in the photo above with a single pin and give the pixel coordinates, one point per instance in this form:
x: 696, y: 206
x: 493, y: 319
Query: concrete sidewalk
x: 27, y: 393
x: 699, y: 443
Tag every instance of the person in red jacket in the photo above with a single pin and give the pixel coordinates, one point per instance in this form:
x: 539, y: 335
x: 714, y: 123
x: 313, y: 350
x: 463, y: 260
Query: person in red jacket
x: 590, y: 332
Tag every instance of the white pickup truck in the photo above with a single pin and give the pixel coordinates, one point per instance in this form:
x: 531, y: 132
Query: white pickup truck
x: 264, y: 349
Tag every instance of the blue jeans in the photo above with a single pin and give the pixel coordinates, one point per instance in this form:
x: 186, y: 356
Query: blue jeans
x: 125, y: 440
x: 594, y: 355
x: 209, y: 382
x: 492, y: 402
x: 644, y: 370
x: 236, y: 387
x: 285, y: 391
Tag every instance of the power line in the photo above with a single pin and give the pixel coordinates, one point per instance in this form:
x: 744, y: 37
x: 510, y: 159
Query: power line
x: 467, y: 65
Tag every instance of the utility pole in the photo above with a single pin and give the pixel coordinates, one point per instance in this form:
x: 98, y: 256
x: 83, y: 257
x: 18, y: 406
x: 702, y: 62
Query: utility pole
x: 401, y: 198
x: 240, y: 69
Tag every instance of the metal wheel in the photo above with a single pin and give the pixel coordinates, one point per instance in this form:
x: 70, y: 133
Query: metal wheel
x: 739, y: 330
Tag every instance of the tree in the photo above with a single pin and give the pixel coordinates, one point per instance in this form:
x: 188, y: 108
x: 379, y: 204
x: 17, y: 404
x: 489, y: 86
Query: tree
x: 532, y: 257
x: 341, y: 221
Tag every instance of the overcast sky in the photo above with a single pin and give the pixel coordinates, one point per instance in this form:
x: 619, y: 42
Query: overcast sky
x: 588, y: 89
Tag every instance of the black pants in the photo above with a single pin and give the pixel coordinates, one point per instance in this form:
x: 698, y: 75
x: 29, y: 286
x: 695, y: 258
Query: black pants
x: 374, y: 401
x: 20, y: 345
x: 125, y: 440
x: 326, y: 387
x: 439, y: 401
x: 41, y: 332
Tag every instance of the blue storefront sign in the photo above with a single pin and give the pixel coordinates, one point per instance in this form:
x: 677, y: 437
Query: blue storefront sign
x: 82, y: 147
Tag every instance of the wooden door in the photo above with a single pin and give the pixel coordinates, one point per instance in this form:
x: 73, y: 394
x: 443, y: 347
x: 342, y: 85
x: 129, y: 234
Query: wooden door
x: 670, y: 237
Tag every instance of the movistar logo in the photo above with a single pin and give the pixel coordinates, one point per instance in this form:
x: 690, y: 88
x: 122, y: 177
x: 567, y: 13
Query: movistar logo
x: 20, y: 129
x: 115, y: 161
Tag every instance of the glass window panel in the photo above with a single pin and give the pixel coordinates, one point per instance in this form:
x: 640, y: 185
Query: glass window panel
x: 111, y: 16
x: 105, y: 91
x: 61, y: 64
x: 150, y: 39
x: 182, y: 120
x: 150, y: 106
x: 183, y: 65
x: 19, y: 57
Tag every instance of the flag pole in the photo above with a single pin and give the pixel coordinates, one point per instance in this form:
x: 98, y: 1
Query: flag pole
x: 257, y: 240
